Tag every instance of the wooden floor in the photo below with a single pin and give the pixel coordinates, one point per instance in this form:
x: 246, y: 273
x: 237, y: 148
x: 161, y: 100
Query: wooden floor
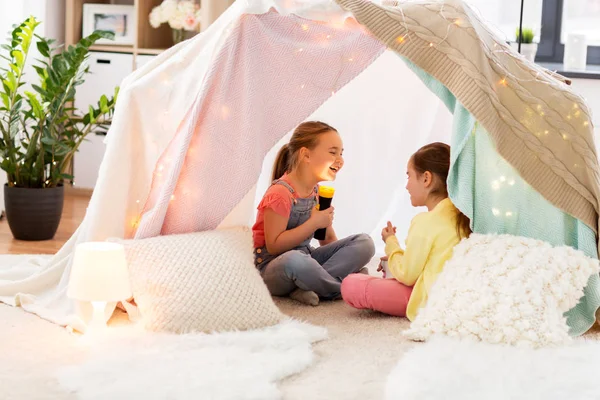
x: 73, y: 213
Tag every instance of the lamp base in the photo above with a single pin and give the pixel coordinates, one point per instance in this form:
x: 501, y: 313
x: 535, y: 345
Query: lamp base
x: 98, y: 322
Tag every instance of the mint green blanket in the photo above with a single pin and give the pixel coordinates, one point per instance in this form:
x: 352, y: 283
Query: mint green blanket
x: 490, y: 192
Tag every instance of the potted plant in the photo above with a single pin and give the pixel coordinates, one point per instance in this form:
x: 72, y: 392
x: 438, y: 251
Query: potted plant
x: 40, y: 128
x: 528, y: 48
x: 183, y: 17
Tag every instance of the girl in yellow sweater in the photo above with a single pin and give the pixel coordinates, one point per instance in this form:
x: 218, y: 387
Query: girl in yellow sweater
x: 431, y: 239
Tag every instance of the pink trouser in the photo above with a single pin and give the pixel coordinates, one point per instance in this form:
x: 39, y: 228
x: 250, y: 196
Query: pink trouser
x: 369, y: 292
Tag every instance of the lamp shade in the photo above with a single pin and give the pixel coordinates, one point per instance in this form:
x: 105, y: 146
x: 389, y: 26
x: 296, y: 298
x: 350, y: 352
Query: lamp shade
x: 99, y: 273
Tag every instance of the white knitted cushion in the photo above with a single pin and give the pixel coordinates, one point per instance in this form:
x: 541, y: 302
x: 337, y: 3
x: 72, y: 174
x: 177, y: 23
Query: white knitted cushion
x: 203, y: 281
x: 505, y: 289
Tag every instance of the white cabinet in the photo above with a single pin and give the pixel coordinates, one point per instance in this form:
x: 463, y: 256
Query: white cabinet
x: 142, y: 59
x: 107, y: 70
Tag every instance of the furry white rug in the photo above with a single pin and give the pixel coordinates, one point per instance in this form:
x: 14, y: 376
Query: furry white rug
x: 236, y: 365
x: 450, y: 369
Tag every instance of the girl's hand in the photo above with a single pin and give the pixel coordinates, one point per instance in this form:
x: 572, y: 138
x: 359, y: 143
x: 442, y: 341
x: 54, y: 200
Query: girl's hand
x: 388, y: 231
x: 381, y: 260
x: 322, y: 219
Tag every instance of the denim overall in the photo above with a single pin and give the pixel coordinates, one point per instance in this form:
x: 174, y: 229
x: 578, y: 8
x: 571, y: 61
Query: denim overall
x: 299, y: 214
x: 320, y: 270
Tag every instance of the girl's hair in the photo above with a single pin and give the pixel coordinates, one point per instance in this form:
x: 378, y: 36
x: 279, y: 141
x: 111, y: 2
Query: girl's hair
x: 305, y: 135
x: 435, y: 158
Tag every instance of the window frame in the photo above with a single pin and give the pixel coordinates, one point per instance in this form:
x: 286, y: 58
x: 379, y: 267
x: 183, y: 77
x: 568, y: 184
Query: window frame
x: 550, y: 49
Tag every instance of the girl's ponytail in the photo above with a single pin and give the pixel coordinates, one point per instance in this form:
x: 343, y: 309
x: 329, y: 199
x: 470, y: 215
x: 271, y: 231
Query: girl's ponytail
x: 281, y: 165
x: 463, y: 225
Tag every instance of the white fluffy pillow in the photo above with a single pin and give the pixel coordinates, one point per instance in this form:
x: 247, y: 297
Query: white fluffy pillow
x: 505, y: 289
x: 203, y: 281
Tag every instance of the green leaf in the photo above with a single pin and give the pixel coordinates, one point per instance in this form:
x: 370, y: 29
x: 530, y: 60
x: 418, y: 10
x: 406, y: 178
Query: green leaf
x: 18, y: 55
x: 35, y: 105
x: 49, y: 141
x: 5, y: 100
x: 91, y: 114
x: 103, y: 104
x: 43, y: 48
x: 8, y: 85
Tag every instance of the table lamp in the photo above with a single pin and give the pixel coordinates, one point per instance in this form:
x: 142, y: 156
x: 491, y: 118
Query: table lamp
x: 99, y: 275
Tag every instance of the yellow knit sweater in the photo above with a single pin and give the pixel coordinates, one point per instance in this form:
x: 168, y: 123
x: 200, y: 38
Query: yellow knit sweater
x: 431, y: 239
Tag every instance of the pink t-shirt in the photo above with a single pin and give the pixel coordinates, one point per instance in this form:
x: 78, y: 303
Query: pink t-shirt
x: 279, y: 199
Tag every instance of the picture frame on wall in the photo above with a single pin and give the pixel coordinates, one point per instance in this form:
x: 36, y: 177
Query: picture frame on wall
x: 119, y: 19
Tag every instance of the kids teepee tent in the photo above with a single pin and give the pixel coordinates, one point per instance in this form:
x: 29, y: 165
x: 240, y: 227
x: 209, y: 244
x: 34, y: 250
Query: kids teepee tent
x: 195, y: 130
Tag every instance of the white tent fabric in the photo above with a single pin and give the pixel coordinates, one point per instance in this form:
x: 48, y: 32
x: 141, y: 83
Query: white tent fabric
x: 196, y: 91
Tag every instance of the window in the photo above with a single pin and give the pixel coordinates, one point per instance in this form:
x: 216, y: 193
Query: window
x: 559, y: 17
x: 504, y: 15
x: 581, y: 16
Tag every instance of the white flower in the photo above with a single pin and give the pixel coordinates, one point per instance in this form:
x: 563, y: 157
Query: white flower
x: 186, y: 7
x: 169, y: 9
x: 190, y: 23
x: 156, y: 17
x: 176, y: 22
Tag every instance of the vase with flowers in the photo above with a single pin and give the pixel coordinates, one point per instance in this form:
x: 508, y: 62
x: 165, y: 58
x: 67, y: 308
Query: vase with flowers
x: 183, y: 16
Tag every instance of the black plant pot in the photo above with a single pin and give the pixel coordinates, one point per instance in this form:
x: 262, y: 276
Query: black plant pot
x: 33, y: 214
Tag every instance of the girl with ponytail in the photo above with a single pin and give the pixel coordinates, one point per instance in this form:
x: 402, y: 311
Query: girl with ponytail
x: 431, y: 239
x: 288, y: 218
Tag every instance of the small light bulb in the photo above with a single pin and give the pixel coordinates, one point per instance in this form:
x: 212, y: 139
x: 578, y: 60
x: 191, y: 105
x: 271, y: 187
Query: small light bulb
x: 400, y: 39
x: 301, y: 86
x: 495, y: 185
x: 172, y: 197
x: 161, y: 167
x: 542, y: 114
x: 328, y: 36
x: 304, y: 27
x: 509, y: 214
x: 137, y: 201
x: 569, y: 117
x: 495, y: 211
x: 54, y: 163
x: 565, y: 137
x: 546, y: 132
x: 300, y: 50
x: 575, y: 105
x: 351, y: 59
x: 502, y: 178
x: 430, y: 44
x: 539, y: 107
x: 511, y: 182
x: 585, y: 123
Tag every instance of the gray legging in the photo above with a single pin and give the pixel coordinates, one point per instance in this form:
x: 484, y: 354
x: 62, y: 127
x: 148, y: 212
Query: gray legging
x: 320, y: 270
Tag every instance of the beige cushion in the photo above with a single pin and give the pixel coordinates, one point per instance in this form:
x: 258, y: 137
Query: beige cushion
x: 505, y: 289
x: 202, y: 281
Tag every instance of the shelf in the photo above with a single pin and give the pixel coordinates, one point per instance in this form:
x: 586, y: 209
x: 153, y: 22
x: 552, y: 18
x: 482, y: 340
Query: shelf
x: 112, y: 49
x: 150, y: 51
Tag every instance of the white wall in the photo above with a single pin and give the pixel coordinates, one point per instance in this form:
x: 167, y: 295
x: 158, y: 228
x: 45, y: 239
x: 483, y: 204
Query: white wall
x: 52, y: 15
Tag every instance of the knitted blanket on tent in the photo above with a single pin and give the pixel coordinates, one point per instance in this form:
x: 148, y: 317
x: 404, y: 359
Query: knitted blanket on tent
x: 522, y: 143
x: 535, y: 121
